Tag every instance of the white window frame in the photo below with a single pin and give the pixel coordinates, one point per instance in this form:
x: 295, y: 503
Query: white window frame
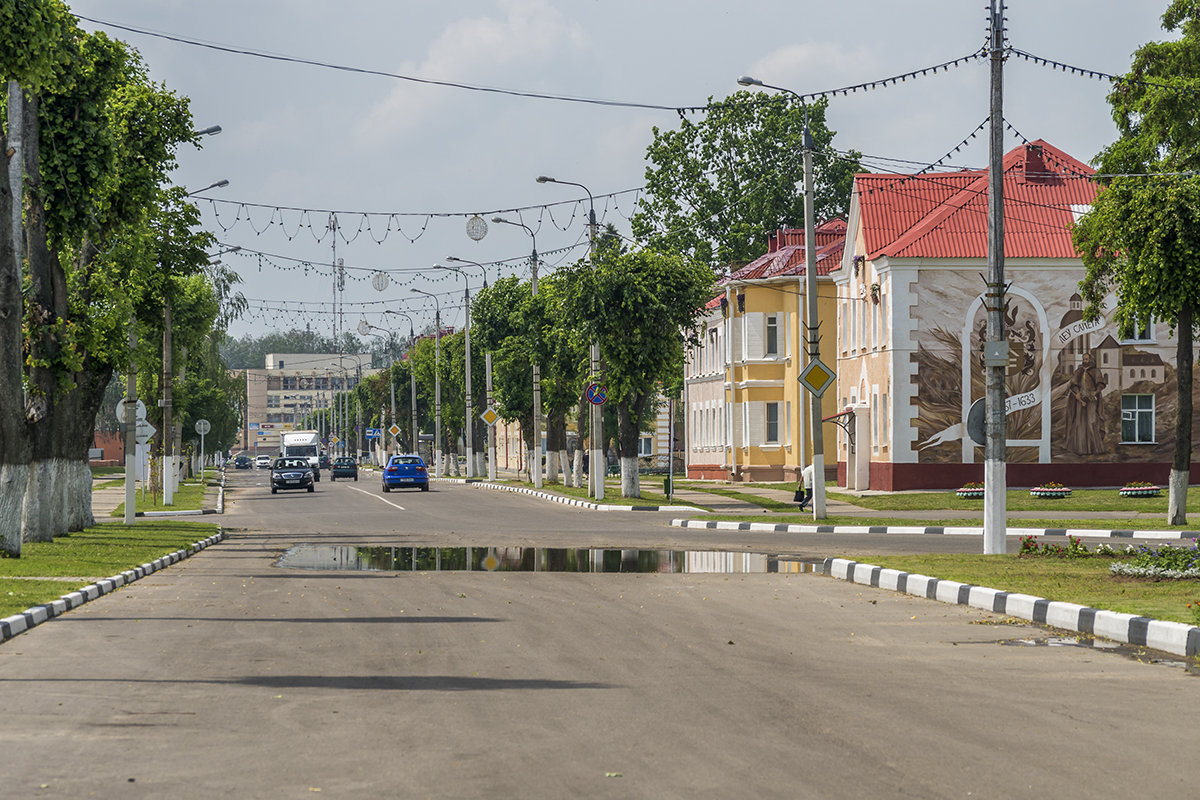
x: 769, y: 436
x: 645, y: 446
x: 1144, y: 335
x: 771, y: 336
x: 1135, y: 416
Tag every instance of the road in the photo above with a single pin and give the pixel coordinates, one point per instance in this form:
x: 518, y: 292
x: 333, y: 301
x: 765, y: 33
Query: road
x: 227, y: 676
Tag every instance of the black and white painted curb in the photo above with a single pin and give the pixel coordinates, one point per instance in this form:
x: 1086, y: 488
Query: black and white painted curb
x: 1171, y: 637
x: 19, y: 623
x: 778, y: 527
x: 557, y: 498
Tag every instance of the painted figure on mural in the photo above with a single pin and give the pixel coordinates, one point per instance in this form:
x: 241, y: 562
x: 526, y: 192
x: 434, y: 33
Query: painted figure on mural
x: 1085, y: 420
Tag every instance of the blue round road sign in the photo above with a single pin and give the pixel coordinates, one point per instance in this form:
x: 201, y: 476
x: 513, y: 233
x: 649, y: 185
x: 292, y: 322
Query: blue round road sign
x: 597, y: 393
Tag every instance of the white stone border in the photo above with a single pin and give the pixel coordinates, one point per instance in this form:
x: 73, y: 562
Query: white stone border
x: 570, y: 501
x: 937, y: 530
x: 1171, y: 637
x: 19, y: 623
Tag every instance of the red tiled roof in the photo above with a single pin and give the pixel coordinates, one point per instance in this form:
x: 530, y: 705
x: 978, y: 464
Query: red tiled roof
x: 944, y: 215
x: 785, y: 254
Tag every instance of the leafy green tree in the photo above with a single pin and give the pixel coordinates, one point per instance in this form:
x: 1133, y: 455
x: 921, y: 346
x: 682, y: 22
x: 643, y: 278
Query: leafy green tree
x: 250, y: 351
x: 98, y: 142
x: 643, y: 308
x: 716, y: 187
x: 1141, y: 237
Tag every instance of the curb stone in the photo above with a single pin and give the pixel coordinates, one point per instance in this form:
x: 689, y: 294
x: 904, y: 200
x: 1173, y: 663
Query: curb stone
x: 556, y: 498
x: 779, y: 527
x: 19, y: 623
x: 1170, y: 637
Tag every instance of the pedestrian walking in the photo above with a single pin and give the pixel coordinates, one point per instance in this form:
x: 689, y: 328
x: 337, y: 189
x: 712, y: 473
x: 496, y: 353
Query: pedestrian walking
x: 804, y: 492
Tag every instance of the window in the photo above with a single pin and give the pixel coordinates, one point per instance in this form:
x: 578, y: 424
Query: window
x: 1137, y: 418
x: 1141, y: 333
x: 772, y: 344
x: 645, y: 444
x: 772, y: 423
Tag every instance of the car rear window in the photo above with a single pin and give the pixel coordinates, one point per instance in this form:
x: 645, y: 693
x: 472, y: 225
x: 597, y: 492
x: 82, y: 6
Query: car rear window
x: 406, y: 460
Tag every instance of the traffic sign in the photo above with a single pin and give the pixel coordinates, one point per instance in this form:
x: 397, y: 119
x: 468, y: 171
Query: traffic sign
x: 817, y: 377
x: 144, y: 431
x: 489, y: 416
x: 394, y: 430
x: 334, y: 440
x: 119, y: 410
x: 374, y: 433
x: 597, y: 393
x: 203, y: 426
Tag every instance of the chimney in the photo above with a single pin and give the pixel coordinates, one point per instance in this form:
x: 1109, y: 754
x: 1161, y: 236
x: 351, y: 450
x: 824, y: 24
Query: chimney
x: 1035, y: 165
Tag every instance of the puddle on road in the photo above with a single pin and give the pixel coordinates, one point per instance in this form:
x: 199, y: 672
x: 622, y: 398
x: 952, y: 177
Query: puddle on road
x: 1138, y: 653
x: 538, y: 559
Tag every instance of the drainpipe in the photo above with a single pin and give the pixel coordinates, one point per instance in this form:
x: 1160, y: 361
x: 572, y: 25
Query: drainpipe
x: 732, y: 405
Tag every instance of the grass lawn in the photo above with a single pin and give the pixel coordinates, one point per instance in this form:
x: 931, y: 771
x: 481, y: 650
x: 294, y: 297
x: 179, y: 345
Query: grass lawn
x: 107, y: 470
x: 1019, y: 500
x: 1085, y: 581
x: 189, y: 498
x: 612, y: 493
x: 97, y: 552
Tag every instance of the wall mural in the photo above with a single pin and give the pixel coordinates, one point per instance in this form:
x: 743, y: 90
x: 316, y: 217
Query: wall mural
x: 1075, y: 393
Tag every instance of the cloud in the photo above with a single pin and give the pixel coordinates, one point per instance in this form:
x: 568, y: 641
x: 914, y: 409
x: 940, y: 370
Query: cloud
x: 813, y: 67
x: 479, y: 51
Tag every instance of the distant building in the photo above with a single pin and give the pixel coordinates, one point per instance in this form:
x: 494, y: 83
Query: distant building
x: 291, y: 386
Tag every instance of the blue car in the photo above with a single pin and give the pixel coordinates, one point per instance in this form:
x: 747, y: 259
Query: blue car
x: 405, y: 472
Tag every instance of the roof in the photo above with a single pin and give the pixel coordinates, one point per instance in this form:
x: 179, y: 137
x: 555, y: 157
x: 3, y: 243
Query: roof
x: 785, y: 253
x: 945, y: 215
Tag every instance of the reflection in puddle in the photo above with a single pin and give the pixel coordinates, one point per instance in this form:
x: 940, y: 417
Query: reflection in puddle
x: 537, y: 559
x: 1136, y: 652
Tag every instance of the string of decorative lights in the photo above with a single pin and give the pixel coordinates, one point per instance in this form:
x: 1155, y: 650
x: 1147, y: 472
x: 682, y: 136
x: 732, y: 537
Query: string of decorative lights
x: 1096, y: 74
x: 681, y: 110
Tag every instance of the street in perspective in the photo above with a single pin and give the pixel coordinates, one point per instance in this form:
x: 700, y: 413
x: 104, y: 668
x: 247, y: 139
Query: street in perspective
x: 524, y: 398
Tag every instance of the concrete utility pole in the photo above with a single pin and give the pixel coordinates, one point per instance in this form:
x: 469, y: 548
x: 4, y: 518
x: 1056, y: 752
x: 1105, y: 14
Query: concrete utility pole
x: 131, y: 427
x: 995, y: 354
x: 437, y: 383
x: 167, y: 435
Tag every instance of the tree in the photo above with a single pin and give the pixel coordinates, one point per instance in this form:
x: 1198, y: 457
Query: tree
x: 1141, y: 237
x: 98, y: 141
x: 249, y: 352
x: 715, y: 187
x: 643, y: 308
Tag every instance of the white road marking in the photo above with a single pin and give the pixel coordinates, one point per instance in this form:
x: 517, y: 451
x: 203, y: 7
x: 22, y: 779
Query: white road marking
x: 377, y: 497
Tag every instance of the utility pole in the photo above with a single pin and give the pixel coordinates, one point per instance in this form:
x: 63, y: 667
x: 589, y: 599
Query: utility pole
x: 131, y: 427
x: 167, y: 435
x: 996, y: 347
x: 813, y: 326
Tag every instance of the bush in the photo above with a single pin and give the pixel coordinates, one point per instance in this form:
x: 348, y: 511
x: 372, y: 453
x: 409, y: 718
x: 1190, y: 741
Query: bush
x: 1073, y: 549
x: 1169, y: 562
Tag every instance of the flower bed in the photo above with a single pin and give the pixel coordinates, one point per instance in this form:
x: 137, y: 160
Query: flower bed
x: 1050, y: 490
x: 1140, y: 489
x: 971, y: 491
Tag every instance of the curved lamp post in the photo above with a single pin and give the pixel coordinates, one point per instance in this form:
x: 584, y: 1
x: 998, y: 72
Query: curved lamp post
x: 535, y: 461
x: 487, y: 359
x: 596, y: 420
x: 412, y: 374
x: 810, y: 292
x: 437, y: 383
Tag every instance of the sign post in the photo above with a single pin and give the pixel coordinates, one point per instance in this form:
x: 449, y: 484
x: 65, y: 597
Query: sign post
x: 203, y: 426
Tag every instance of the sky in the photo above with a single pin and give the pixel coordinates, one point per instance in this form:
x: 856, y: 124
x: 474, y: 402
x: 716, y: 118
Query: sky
x: 423, y: 157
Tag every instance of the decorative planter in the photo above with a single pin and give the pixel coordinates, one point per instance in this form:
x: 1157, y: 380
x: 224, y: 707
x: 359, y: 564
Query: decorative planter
x: 970, y: 494
x: 1055, y: 494
x: 1141, y: 491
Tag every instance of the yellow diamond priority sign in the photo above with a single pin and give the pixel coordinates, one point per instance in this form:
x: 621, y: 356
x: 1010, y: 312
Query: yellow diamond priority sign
x: 394, y: 430
x: 816, y: 377
x: 489, y: 416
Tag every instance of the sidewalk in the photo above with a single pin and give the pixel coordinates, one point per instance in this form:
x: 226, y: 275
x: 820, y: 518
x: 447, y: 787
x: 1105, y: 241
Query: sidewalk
x: 105, y: 501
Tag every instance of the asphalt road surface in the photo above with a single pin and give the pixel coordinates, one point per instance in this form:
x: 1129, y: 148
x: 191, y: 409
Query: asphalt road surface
x: 228, y: 676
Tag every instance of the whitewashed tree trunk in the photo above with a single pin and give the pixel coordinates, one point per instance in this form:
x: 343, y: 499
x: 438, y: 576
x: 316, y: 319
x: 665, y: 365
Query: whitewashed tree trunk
x: 529, y: 465
x: 480, y: 465
x: 552, y: 466
x: 79, y: 496
x: 577, y: 468
x: 1177, y: 485
x: 14, y: 478
x: 38, y: 512
x: 629, y: 477
x: 565, y: 464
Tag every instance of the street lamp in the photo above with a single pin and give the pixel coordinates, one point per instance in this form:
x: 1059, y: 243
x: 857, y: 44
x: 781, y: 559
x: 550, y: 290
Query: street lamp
x: 810, y: 291
x: 211, y: 130
x: 340, y: 410
x: 437, y: 383
x: 218, y: 185
x: 469, y: 417
x: 597, y: 460
x: 487, y: 359
x: 535, y: 469
x: 412, y: 374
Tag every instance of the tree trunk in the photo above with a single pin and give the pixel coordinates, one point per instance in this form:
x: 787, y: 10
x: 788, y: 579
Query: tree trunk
x: 627, y: 447
x: 1181, y: 467
x: 14, y: 439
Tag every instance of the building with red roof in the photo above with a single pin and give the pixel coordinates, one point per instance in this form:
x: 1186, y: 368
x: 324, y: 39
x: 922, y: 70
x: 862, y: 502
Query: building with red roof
x: 1086, y: 406
x: 746, y: 414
